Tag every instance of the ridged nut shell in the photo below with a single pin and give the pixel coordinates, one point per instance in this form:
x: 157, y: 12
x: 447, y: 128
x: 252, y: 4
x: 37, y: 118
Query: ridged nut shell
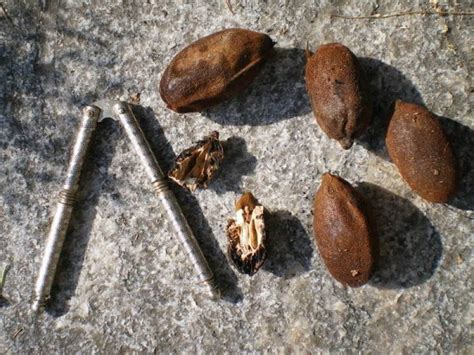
x: 213, y: 69
x: 343, y: 231
x: 338, y: 92
x: 422, y: 153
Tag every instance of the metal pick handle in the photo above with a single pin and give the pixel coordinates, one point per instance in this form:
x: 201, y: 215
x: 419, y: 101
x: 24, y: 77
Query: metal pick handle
x: 91, y: 115
x: 66, y: 201
x: 166, y: 196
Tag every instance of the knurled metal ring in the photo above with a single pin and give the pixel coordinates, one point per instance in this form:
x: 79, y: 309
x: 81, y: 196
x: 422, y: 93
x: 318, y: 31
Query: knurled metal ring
x: 67, y: 197
x: 160, y: 186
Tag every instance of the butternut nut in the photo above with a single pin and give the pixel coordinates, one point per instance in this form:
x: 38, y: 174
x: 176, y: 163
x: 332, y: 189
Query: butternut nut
x: 420, y: 150
x: 246, y: 235
x: 337, y: 90
x: 213, y: 69
x: 343, y: 232
x: 196, y: 166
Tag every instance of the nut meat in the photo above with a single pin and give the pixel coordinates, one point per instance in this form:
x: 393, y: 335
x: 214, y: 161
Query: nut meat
x: 420, y: 150
x: 343, y: 232
x: 336, y: 86
x: 246, y: 235
x: 196, y: 166
x: 213, y: 69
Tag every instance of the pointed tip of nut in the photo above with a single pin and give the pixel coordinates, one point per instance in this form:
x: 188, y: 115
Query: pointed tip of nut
x: 214, y: 135
x: 328, y: 176
x: 247, y: 198
x: 346, y: 143
x: 307, y: 52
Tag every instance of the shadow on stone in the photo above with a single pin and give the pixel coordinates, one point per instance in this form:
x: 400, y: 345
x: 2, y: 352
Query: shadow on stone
x: 289, y: 246
x: 20, y: 77
x: 278, y: 93
x: 409, y: 247
x: 4, y: 272
x: 4, y: 302
x: 237, y: 163
x: 27, y: 81
x: 461, y: 139
x: 93, y: 179
x: 386, y: 85
x: 225, y: 277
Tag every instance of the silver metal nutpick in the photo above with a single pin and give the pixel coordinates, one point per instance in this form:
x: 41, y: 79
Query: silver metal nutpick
x: 166, y: 196
x: 64, y: 207
x: 92, y: 114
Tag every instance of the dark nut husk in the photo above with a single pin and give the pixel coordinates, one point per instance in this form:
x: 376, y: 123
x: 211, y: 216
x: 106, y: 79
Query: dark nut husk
x: 213, y: 69
x: 420, y: 150
x: 196, y: 166
x: 337, y: 88
x: 343, y: 231
x: 246, y: 235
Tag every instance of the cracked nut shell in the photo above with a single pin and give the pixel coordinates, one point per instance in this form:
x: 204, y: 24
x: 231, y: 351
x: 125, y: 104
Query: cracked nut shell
x: 343, y: 232
x: 246, y: 235
x: 337, y: 89
x: 213, y: 69
x: 420, y: 150
x: 195, y: 167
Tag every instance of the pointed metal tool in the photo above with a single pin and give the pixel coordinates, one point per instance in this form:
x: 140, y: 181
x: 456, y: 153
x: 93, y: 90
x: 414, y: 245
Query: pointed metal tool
x: 64, y: 207
x: 92, y: 114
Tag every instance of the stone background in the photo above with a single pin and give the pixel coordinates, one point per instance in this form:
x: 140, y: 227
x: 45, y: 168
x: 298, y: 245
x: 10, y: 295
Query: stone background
x: 124, y: 284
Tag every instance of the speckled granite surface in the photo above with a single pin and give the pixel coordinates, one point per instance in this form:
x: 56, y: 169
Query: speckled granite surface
x: 124, y: 284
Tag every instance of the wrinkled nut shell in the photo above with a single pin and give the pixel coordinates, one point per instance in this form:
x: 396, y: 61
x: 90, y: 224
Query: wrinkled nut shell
x: 213, y: 69
x: 420, y: 150
x: 246, y: 235
x: 337, y: 90
x: 343, y: 232
x: 196, y: 166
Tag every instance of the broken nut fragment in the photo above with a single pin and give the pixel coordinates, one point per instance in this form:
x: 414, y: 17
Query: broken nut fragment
x: 246, y: 235
x: 196, y: 166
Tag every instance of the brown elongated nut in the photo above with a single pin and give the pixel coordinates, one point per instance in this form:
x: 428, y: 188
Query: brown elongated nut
x: 343, y: 231
x: 338, y: 92
x: 422, y: 153
x: 213, y: 69
x: 246, y: 235
x: 196, y: 166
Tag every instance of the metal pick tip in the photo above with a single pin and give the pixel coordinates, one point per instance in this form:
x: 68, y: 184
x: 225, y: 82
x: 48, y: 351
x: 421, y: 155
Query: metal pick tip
x: 36, y: 306
x: 35, y: 322
x: 213, y: 290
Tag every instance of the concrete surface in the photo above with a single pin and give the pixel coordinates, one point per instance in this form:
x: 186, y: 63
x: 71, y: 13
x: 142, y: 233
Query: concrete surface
x: 124, y: 284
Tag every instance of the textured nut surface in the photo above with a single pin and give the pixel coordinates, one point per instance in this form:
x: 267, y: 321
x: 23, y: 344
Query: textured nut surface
x: 196, y: 166
x: 343, y: 231
x: 214, y: 68
x: 420, y: 150
x: 338, y: 93
x: 246, y: 235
